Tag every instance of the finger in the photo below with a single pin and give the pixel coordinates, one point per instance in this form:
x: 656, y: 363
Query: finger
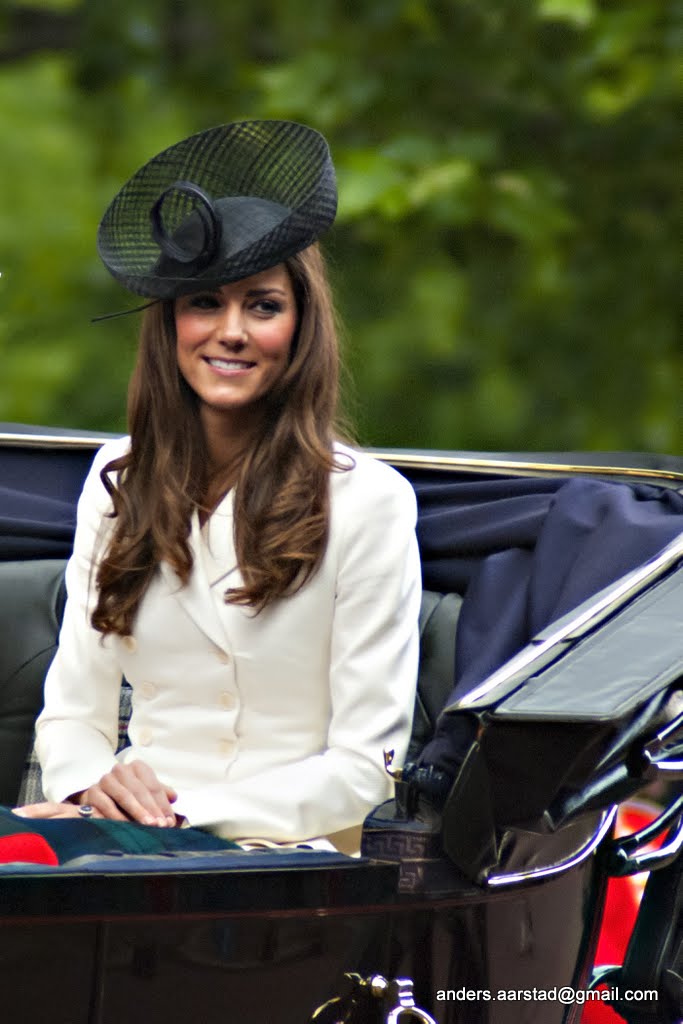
x: 127, y: 805
x: 46, y: 809
x: 162, y: 795
x: 102, y: 804
x: 133, y: 795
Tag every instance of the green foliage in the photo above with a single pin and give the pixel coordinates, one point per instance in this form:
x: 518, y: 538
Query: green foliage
x: 506, y: 249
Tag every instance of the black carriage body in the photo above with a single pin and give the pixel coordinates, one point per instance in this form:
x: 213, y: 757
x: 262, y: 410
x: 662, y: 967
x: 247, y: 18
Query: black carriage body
x: 491, y: 899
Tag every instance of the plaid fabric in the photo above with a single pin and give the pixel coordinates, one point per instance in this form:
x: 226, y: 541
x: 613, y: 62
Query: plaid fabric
x: 70, y: 840
x: 31, y: 791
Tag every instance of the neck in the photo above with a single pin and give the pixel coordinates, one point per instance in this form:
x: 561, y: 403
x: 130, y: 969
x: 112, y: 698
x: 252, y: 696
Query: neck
x: 227, y: 433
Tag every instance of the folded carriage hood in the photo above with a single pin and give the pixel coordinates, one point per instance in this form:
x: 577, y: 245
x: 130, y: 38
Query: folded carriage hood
x: 576, y: 722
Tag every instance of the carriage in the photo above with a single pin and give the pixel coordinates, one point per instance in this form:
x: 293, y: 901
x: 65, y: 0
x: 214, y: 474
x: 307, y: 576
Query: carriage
x: 550, y: 694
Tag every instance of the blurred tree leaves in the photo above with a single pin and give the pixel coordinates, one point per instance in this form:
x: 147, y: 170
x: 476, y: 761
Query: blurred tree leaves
x: 506, y: 249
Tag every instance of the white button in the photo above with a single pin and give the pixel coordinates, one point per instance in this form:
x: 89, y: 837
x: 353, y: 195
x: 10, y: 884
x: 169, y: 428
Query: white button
x: 130, y: 643
x: 149, y: 690
x: 145, y: 737
x: 228, y: 700
x: 226, y: 747
x: 222, y: 656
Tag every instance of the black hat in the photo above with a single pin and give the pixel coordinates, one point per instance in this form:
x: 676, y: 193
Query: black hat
x: 219, y: 206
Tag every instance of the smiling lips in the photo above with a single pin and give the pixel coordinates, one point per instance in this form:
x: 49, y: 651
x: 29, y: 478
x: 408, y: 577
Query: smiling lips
x: 230, y: 365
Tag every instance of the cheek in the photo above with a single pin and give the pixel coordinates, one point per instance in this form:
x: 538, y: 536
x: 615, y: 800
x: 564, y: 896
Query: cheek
x: 275, y: 342
x: 189, y: 330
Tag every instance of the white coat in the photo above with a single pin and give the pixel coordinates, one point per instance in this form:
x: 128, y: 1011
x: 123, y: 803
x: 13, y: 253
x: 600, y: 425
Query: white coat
x: 270, y: 725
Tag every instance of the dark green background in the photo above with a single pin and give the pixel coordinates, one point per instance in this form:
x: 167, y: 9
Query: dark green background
x: 506, y: 251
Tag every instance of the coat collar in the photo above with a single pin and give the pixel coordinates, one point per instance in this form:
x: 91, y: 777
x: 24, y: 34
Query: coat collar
x: 214, y: 570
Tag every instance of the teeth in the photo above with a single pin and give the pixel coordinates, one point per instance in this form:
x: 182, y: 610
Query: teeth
x: 229, y: 364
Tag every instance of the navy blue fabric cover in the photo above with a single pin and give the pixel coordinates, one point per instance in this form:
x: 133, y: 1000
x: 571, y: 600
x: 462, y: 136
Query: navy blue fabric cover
x: 34, y: 526
x: 39, y: 489
x: 525, y: 552
x: 184, y: 861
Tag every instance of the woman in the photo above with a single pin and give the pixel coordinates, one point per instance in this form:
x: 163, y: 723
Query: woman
x: 256, y: 581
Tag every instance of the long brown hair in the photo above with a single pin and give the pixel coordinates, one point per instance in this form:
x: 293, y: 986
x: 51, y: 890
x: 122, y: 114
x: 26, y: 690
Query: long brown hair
x: 281, y: 485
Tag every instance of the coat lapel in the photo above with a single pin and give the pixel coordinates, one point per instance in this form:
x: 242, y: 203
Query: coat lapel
x: 216, y: 545
x: 214, y: 570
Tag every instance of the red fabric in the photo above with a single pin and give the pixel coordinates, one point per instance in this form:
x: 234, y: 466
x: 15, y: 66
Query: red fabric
x: 26, y: 848
x: 621, y: 910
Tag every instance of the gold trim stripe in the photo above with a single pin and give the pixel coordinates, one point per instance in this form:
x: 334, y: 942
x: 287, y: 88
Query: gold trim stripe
x: 453, y: 463
x: 50, y: 441
x: 402, y: 460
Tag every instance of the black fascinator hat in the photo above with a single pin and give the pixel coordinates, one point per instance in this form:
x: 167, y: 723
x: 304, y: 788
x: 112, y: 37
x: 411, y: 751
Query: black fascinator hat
x: 219, y: 206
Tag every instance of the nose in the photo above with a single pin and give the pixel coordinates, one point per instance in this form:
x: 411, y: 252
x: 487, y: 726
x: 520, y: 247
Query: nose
x: 231, y: 329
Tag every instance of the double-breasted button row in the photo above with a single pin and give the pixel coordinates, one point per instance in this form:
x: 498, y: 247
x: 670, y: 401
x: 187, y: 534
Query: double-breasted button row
x: 227, y: 700
x: 226, y: 747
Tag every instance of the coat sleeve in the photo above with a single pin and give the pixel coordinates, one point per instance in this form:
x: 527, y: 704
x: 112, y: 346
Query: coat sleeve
x: 80, y: 713
x: 372, y: 680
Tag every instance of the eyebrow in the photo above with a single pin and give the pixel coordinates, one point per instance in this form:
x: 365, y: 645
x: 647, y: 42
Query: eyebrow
x: 251, y: 294
x: 265, y: 291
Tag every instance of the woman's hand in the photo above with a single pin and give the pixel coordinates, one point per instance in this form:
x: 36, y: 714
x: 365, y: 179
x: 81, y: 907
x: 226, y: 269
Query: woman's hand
x: 131, y: 792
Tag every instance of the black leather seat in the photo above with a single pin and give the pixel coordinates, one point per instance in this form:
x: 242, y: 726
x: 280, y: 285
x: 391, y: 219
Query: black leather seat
x: 438, y: 620
x: 31, y: 605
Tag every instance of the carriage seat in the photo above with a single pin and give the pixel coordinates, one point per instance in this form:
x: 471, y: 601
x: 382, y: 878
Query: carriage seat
x: 32, y: 599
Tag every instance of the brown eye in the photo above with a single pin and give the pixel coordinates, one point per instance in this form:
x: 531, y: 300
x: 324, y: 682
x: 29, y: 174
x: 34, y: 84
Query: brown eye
x: 268, y: 307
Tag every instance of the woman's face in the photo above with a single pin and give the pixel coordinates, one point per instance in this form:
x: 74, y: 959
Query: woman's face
x: 234, y: 343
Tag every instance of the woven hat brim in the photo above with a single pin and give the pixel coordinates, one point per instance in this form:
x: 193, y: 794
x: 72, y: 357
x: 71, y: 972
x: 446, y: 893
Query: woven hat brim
x: 279, y: 162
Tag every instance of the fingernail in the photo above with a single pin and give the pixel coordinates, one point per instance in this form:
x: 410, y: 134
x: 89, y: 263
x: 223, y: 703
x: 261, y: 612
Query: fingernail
x: 170, y: 820
x: 161, y: 822
x: 149, y: 820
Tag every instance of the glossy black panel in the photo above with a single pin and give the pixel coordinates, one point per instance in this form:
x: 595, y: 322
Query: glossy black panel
x: 276, y: 965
